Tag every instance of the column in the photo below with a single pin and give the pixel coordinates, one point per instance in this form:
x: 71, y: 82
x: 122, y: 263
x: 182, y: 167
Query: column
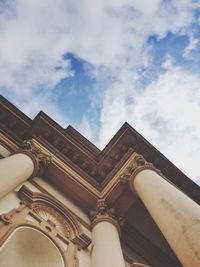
x: 18, y: 167
x: 177, y: 216
x: 106, y: 249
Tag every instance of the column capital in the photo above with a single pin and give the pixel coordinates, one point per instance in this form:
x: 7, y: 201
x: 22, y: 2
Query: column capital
x: 40, y: 160
x: 135, y: 166
x: 104, y: 213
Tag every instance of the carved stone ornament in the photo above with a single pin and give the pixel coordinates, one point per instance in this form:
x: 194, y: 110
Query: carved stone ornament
x: 102, y: 210
x: 40, y: 160
x: 136, y: 165
x: 104, y: 213
x: 57, y: 221
x: 59, y: 217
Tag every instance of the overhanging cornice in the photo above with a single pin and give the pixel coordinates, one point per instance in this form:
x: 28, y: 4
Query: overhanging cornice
x: 96, y: 168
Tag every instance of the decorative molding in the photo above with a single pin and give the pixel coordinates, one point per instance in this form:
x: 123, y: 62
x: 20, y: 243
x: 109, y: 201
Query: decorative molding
x: 102, y: 210
x: 64, y: 144
x: 44, y: 191
x: 137, y: 165
x: 54, y: 218
x: 104, y: 213
x: 7, y: 217
x: 40, y: 160
x: 56, y: 214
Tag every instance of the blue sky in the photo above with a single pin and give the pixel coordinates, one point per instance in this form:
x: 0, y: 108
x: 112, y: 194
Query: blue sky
x: 96, y: 64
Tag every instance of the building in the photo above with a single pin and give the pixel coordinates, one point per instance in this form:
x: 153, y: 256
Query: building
x: 65, y: 203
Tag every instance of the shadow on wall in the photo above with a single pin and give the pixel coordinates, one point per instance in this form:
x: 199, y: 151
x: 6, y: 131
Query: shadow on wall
x: 27, y: 246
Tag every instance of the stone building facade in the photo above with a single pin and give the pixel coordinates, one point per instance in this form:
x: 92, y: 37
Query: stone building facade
x: 65, y: 203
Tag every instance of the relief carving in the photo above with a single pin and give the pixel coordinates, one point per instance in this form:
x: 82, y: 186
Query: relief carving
x: 136, y: 165
x: 40, y: 160
x: 52, y: 217
x: 104, y: 213
x: 58, y: 217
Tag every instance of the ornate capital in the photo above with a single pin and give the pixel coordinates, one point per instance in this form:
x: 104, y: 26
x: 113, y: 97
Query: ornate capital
x: 104, y: 213
x: 40, y: 160
x: 136, y: 165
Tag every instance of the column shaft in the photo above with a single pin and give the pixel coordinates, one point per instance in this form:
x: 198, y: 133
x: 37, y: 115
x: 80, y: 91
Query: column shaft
x: 14, y: 170
x: 106, y: 250
x: 177, y: 216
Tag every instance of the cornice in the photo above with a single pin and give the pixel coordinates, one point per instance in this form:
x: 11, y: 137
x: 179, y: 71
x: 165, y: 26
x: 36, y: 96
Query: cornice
x: 96, y: 167
x: 78, y: 166
x: 8, y: 142
x: 72, y: 180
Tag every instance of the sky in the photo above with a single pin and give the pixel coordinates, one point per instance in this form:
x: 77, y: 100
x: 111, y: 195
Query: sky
x: 96, y: 64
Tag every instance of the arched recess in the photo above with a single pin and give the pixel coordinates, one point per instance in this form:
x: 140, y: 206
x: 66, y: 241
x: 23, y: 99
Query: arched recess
x: 52, y: 218
x: 28, y: 246
x: 39, y: 202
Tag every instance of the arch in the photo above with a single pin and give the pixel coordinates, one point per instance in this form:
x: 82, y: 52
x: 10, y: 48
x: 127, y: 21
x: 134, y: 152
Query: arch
x: 27, y: 246
x: 36, y: 200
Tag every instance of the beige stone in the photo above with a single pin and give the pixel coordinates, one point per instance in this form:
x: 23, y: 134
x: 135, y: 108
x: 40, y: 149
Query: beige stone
x: 62, y: 198
x: 14, y: 170
x: 4, y: 151
x: 29, y: 247
x: 177, y: 216
x: 106, y: 250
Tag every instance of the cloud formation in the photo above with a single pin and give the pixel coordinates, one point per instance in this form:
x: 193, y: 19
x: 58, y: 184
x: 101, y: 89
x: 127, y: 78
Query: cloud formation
x: 112, y: 36
x: 165, y: 112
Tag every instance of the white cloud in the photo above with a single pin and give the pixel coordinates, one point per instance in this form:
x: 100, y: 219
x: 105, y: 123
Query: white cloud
x: 112, y: 36
x: 85, y: 128
x: 192, y: 44
x: 166, y: 113
x: 34, y: 35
